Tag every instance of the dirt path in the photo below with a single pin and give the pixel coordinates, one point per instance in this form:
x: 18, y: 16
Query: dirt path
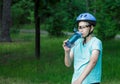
x: 43, y: 32
x: 69, y: 33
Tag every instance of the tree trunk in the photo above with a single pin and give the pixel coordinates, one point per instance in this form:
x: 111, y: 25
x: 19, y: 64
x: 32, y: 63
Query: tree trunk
x: 0, y: 13
x: 37, y: 29
x: 95, y: 7
x: 6, y: 22
x: 87, y: 5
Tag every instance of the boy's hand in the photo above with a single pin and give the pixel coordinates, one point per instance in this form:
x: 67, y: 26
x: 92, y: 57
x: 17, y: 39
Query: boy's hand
x: 65, y: 47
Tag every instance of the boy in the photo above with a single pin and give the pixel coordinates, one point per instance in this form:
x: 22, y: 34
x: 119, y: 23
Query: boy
x: 86, y: 54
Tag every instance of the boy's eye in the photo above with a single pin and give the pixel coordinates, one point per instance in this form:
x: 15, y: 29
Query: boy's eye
x: 82, y: 27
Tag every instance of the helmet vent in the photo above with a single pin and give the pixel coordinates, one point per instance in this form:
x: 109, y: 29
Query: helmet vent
x: 85, y: 15
x: 81, y: 15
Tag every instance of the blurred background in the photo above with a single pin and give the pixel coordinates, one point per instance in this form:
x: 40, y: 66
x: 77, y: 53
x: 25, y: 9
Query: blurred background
x: 32, y: 33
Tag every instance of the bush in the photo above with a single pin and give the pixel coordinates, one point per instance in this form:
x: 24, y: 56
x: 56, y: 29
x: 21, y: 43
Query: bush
x: 106, y: 27
x: 62, y: 18
x: 57, y: 21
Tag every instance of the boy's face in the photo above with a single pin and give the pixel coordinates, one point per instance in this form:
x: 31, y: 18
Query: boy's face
x: 85, y: 28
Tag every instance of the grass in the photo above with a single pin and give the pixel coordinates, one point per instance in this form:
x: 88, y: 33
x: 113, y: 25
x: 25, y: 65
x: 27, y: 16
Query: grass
x: 18, y: 64
x: 111, y: 61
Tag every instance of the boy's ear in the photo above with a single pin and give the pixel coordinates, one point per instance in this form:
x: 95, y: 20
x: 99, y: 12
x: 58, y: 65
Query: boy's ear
x: 92, y: 28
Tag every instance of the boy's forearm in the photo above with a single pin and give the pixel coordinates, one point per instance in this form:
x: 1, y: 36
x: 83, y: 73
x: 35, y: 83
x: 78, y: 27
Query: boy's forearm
x: 87, y: 70
x: 90, y: 66
x: 67, y: 59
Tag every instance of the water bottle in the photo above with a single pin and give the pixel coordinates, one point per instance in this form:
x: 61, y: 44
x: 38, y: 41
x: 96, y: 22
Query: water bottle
x: 72, y: 39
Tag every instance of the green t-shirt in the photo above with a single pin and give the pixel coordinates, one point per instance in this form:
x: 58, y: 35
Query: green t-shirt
x: 82, y: 54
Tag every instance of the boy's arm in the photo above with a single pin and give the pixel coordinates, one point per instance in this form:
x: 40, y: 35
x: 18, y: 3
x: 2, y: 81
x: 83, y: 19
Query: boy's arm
x: 68, y: 58
x: 89, y: 67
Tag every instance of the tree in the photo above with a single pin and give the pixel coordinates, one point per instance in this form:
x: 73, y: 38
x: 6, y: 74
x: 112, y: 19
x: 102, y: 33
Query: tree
x: 37, y: 29
x: 105, y: 11
x: 107, y: 18
x: 62, y: 17
x: 0, y: 13
x: 6, y: 22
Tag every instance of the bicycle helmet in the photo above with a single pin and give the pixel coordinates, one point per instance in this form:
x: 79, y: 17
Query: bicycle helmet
x: 87, y: 17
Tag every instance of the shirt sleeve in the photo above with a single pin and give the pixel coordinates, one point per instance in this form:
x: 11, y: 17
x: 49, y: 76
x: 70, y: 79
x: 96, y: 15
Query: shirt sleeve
x: 97, y: 45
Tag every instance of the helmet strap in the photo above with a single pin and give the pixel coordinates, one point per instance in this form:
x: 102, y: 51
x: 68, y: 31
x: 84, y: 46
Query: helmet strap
x: 87, y: 36
x: 89, y: 33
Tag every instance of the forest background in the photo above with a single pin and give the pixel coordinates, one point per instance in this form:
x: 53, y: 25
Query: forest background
x: 18, y: 63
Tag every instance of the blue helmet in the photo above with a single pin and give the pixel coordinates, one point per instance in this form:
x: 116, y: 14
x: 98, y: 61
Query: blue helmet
x: 87, y: 17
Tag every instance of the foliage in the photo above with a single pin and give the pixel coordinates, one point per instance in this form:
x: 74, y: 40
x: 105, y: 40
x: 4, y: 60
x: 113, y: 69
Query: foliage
x: 106, y: 13
x: 56, y: 23
x: 105, y: 28
x: 22, y: 12
x: 62, y: 17
x: 107, y: 18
